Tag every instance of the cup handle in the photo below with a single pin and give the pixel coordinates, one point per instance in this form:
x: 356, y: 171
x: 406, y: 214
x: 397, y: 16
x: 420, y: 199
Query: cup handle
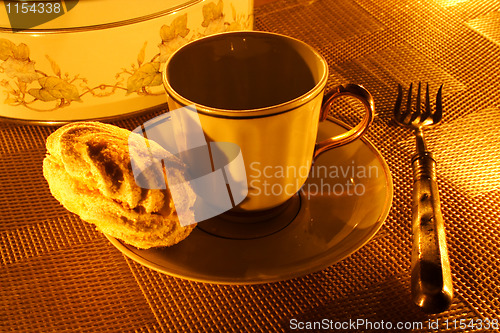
x: 364, y: 97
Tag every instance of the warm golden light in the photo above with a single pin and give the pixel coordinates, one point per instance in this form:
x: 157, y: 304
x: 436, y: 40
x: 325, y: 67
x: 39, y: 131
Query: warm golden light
x: 450, y: 3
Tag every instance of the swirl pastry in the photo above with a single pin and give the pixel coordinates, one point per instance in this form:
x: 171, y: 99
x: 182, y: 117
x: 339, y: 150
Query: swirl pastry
x: 88, y: 168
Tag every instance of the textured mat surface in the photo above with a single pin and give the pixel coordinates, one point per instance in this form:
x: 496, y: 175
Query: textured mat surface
x: 58, y: 274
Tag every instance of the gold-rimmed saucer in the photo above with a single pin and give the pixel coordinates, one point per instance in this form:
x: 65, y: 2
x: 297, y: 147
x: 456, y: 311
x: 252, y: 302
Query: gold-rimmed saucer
x: 343, y: 204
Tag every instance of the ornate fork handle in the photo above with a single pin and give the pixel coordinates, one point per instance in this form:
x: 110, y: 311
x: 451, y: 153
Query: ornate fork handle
x: 431, y: 283
x: 431, y: 280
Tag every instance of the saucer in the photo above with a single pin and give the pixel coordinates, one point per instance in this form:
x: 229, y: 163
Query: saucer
x: 342, y: 205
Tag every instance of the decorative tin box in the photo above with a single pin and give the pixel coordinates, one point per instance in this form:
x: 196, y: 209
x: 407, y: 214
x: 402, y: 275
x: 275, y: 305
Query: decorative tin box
x: 98, y: 59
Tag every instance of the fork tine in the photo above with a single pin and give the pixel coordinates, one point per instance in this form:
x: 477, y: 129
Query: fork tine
x: 416, y: 114
x: 438, y: 114
x: 418, y: 98
x: 427, y: 111
x: 408, y: 105
x: 397, y: 106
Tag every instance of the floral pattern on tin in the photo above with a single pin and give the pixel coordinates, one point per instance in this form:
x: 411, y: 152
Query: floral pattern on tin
x: 25, y: 85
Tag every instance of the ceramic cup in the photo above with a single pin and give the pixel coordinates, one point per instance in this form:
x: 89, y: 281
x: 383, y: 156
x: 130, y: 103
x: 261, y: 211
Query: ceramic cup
x: 264, y: 92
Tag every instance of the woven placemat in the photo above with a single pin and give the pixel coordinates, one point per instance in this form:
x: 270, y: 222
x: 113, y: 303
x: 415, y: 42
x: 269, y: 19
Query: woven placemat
x: 58, y: 274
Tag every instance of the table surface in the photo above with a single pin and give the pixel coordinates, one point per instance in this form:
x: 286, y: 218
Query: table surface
x: 58, y: 274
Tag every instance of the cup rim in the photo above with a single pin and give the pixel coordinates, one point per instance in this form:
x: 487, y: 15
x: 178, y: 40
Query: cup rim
x: 249, y: 113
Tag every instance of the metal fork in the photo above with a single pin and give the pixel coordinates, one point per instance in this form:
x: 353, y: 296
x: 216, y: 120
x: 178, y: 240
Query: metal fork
x: 431, y: 282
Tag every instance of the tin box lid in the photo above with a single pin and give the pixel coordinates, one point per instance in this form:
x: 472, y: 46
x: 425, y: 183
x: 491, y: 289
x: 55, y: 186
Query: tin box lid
x: 83, y: 14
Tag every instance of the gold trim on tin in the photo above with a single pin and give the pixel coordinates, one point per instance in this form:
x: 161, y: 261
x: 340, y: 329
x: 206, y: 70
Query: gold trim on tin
x: 122, y: 116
